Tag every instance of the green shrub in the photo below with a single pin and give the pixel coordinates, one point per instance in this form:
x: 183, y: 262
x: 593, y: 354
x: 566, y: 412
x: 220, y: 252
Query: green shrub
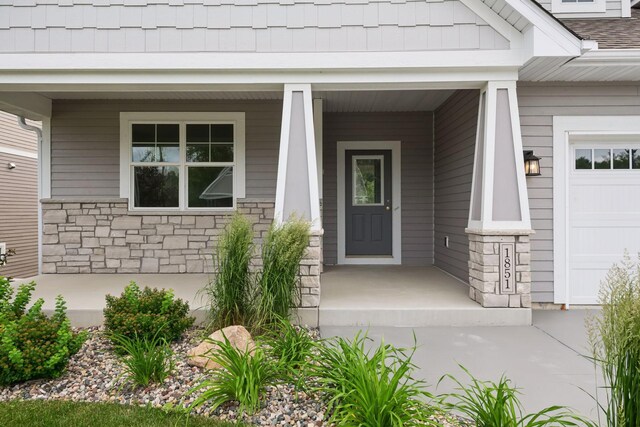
x: 491, y: 404
x: 230, y: 294
x: 282, y: 250
x: 615, y: 339
x: 370, y: 389
x: 33, y: 345
x: 243, y: 378
x: 292, y: 348
x: 145, y: 360
x: 147, y: 313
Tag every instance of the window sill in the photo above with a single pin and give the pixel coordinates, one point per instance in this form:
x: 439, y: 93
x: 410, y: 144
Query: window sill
x: 229, y: 211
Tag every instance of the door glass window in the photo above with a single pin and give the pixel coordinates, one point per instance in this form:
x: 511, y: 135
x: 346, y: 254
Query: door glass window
x: 368, y: 180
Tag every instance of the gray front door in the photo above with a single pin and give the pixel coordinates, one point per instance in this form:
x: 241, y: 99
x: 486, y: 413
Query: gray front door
x: 368, y: 198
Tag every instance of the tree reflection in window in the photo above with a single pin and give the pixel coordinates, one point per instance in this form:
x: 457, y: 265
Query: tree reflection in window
x: 156, y: 186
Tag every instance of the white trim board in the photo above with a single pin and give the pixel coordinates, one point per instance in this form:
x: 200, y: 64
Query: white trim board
x: 396, y: 205
x: 564, y: 129
x: 18, y: 152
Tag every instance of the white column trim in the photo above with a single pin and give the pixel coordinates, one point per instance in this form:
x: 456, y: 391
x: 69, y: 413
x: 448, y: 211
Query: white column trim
x: 396, y: 206
x: 312, y: 165
x: 486, y: 221
x: 317, y: 126
x: 565, y: 127
x: 283, y: 157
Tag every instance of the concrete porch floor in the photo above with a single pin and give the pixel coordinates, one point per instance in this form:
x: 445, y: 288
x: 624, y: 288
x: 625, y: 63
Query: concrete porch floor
x: 385, y: 295
x: 85, y: 293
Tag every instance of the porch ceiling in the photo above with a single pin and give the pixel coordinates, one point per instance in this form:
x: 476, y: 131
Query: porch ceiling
x: 334, y: 101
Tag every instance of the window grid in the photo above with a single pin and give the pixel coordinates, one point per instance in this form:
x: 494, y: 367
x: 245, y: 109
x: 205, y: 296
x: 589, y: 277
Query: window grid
x: 592, y: 158
x: 183, y: 165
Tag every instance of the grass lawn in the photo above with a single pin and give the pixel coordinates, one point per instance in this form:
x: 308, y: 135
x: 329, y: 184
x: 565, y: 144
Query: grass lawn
x: 64, y: 414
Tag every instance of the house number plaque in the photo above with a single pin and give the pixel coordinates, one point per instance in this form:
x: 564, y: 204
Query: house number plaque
x: 507, y: 272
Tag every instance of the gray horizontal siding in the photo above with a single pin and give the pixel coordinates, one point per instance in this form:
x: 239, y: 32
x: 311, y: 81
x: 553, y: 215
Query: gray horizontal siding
x: 85, y: 143
x: 415, y: 131
x: 246, y: 26
x: 19, y: 214
x: 455, y: 132
x: 538, y: 105
x: 13, y: 136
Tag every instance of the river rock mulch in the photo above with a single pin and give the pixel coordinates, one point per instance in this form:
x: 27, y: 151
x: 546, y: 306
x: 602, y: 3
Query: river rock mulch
x: 94, y: 374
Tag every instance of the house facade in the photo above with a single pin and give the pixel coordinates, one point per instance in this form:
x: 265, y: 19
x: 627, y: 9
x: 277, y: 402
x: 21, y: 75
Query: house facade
x: 18, y: 197
x: 396, y: 127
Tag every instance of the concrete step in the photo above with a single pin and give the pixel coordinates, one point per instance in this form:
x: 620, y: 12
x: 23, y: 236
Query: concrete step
x: 416, y: 317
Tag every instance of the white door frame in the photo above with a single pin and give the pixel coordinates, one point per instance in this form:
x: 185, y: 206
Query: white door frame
x: 565, y: 130
x: 396, y: 203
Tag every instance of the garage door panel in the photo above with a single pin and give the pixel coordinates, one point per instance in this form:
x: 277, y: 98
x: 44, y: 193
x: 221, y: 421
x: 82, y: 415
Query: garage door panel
x: 604, y: 241
x: 603, y: 222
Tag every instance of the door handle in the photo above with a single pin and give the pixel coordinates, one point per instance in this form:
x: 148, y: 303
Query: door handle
x: 388, y: 207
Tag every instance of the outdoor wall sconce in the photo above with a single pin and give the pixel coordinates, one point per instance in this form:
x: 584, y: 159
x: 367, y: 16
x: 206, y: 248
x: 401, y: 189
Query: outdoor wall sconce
x: 11, y: 166
x: 531, y: 164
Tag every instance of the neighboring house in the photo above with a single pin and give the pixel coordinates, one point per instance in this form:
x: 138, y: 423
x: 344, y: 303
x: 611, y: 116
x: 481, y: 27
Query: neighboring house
x: 396, y: 126
x: 18, y: 197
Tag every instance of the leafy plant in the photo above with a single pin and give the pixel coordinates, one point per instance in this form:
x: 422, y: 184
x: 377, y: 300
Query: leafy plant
x: 230, y: 294
x: 146, y: 313
x: 243, y: 378
x: 282, y: 250
x: 370, y: 388
x: 292, y: 348
x: 614, y: 334
x: 33, y: 345
x: 145, y: 360
x: 491, y: 404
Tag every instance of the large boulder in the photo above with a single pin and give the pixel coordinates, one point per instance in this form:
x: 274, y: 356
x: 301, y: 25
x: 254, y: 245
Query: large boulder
x: 238, y: 337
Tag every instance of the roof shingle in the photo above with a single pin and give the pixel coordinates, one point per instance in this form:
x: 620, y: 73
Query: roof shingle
x: 610, y: 33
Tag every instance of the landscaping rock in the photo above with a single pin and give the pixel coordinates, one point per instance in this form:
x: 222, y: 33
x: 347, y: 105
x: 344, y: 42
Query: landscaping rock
x: 238, y: 337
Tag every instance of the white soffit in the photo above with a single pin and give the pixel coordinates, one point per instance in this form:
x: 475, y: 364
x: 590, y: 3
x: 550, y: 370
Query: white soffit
x: 334, y: 101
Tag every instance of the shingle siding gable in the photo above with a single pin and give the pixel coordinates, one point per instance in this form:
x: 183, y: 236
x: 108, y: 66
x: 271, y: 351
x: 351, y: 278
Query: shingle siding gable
x: 246, y: 25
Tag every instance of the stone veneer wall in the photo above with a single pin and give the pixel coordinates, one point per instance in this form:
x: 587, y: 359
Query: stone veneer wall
x: 102, y: 236
x: 484, y: 270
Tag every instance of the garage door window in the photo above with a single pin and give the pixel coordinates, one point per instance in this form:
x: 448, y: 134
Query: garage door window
x: 607, y: 159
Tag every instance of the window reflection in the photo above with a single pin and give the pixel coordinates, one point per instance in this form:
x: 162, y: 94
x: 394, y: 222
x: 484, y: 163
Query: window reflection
x: 620, y: 158
x: 583, y: 159
x: 367, y: 181
x: 601, y: 159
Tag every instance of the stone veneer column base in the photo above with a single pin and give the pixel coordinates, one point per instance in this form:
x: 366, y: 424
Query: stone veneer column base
x: 310, y: 269
x: 484, y: 269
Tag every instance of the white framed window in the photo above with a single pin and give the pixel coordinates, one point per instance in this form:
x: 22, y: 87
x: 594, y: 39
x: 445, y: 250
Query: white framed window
x: 578, y: 6
x: 182, y: 161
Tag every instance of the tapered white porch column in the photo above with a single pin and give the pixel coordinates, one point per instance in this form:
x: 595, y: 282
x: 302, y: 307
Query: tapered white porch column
x: 499, y: 220
x: 297, y: 192
x: 297, y: 187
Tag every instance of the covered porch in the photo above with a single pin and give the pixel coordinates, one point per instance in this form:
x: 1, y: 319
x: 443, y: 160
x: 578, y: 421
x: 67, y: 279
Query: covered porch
x: 405, y: 296
x: 449, y: 158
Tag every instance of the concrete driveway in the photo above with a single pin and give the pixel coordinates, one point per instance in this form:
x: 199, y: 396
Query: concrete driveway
x: 546, y: 360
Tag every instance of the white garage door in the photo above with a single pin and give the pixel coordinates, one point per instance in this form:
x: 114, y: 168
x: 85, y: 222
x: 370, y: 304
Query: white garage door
x: 604, y: 213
